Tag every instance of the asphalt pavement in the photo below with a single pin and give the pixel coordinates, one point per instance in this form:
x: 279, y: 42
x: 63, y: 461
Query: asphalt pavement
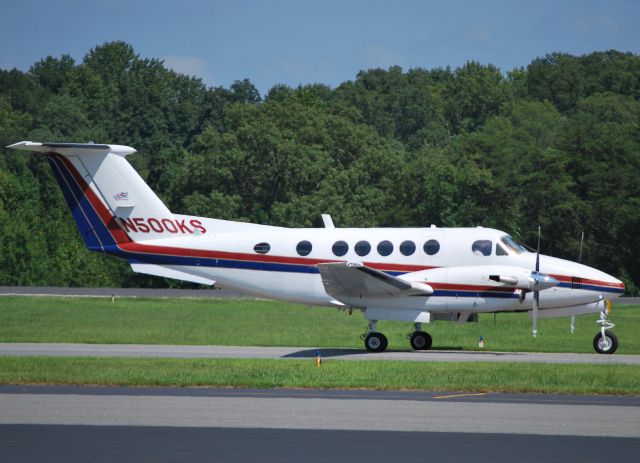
x: 73, y: 424
x: 109, y: 444
x: 174, y: 351
x: 205, y: 292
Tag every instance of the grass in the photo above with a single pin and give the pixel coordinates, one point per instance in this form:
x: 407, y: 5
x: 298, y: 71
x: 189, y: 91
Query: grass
x: 269, y: 323
x: 382, y: 375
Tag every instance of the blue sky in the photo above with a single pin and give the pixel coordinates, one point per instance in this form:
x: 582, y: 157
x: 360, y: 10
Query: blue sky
x: 306, y: 41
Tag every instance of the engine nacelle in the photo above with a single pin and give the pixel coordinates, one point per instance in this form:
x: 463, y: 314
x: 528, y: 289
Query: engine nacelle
x: 499, y: 276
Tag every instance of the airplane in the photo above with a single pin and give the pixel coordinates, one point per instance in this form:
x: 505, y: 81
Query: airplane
x: 416, y: 275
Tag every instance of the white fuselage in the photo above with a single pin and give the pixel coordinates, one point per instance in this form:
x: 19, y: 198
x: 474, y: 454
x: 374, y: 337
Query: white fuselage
x: 225, y: 253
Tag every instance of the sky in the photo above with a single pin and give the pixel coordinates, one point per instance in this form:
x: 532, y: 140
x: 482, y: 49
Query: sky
x: 297, y: 42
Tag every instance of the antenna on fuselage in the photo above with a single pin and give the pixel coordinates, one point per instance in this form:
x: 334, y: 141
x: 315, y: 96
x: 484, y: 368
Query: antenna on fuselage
x: 327, y: 221
x: 581, y: 243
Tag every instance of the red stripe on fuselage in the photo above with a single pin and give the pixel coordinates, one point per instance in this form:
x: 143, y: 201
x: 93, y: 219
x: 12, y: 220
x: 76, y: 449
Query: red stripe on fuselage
x: 227, y: 255
x: 587, y: 281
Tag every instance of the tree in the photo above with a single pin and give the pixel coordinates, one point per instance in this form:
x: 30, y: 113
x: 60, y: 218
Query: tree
x: 602, y: 137
x: 555, y: 144
x: 53, y: 74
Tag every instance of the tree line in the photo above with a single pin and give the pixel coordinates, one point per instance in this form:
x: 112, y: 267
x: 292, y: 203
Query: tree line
x: 555, y: 144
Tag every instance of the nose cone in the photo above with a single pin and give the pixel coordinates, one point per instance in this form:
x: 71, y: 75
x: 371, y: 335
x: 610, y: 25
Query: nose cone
x: 578, y: 276
x: 614, y: 287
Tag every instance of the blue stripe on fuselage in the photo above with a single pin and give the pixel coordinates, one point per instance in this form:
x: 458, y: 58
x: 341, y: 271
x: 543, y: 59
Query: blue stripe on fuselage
x: 606, y: 289
x: 163, y: 259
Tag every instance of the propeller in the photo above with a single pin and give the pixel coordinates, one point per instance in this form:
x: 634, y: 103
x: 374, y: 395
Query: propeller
x: 536, y: 291
x: 539, y: 281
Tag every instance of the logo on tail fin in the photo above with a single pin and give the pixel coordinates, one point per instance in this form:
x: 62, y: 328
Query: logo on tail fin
x: 122, y: 196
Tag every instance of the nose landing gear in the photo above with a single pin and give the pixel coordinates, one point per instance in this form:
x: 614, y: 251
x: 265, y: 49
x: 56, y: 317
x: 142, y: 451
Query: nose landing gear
x: 605, y: 342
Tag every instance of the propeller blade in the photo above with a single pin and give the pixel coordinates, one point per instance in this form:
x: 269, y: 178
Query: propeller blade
x: 534, y: 315
x: 538, y: 280
x: 538, y: 252
x: 572, y: 326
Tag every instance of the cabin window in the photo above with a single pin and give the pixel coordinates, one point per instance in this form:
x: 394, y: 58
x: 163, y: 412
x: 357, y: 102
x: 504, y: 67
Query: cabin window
x: 304, y: 248
x: 500, y: 251
x: 340, y: 248
x: 481, y: 247
x: 385, y: 248
x: 262, y: 248
x: 362, y: 248
x: 407, y: 248
x: 431, y: 247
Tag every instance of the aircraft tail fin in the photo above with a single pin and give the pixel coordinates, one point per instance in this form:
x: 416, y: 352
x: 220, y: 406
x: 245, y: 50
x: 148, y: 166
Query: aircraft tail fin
x: 110, y: 202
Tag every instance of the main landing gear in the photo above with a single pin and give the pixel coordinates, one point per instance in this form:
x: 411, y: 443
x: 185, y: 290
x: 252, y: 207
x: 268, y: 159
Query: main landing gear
x: 420, y: 340
x: 605, y: 342
x: 377, y: 342
x: 374, y: 341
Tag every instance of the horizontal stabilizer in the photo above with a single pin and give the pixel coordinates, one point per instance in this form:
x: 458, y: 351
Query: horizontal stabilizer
x: 72, y: 148
x: 167, y: 272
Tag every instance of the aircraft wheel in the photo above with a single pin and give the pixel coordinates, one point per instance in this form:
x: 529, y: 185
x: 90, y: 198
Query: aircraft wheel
x: 606, y: 345
x: 375, y: 342
x: 420, y: 340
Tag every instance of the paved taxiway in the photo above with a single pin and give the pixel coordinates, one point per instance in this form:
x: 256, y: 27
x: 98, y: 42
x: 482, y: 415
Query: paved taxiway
x: 117, y: 292
x: 40, y: 423
x: 143, y: 350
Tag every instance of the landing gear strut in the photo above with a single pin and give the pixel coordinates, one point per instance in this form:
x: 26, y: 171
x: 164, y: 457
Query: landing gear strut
x: 420, y: 340
x: 374, y: 341
x: 605, y: 342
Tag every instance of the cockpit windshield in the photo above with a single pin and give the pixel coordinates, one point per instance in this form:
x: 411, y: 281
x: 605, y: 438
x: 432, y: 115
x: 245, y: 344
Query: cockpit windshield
x: 513, y: 244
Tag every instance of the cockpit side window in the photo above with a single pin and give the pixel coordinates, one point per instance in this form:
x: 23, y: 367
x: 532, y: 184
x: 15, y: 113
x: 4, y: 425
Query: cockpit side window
x: 500, y: 251
x: 482, y: 247
x: 512, y: 244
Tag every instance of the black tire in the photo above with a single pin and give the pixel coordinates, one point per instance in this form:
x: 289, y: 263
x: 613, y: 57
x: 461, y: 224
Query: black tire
x: 420, y: 340
x: 375, y: 342
x: 605, y: 348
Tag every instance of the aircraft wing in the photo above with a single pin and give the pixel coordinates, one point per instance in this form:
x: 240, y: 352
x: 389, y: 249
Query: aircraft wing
x: 348, y: 280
